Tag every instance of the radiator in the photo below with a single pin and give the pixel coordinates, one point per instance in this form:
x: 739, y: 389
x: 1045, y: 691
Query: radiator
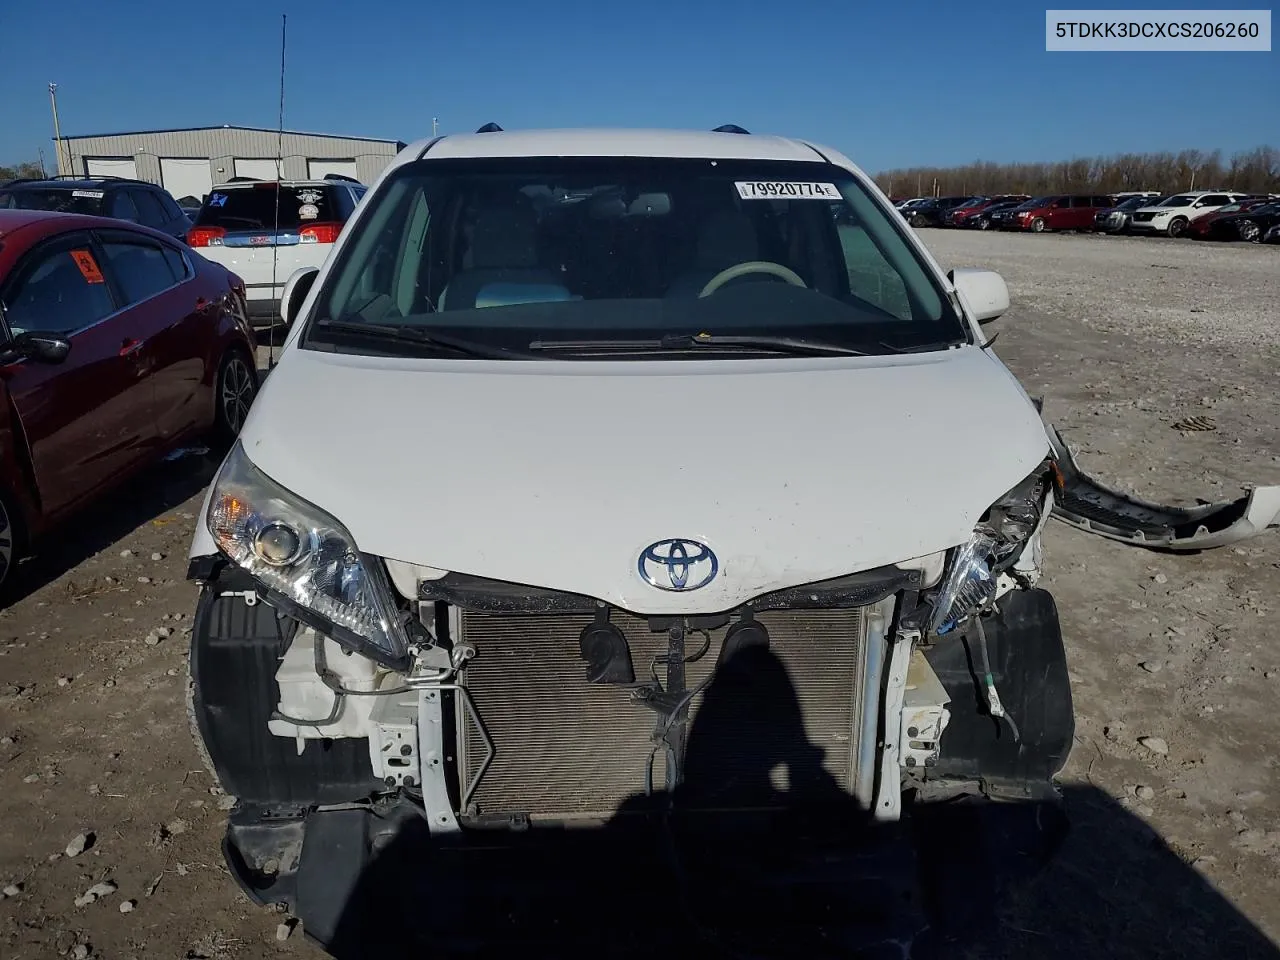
x: 566, y: 749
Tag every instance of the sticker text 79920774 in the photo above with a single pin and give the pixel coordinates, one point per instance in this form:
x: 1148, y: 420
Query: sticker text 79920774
x: 786, y: 190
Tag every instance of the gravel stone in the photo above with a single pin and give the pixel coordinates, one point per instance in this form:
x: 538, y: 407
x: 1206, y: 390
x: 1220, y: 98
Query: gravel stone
x: 126, y: 554
x: 95, y: 893
x: 157, y: 556
x: 1155, y: 745
x: 79, y: 844
x: 1144, y: 792
x: 144, y: 579
x: 81, y: 951
x: 12, y: 890
x: 283, y: 931
x: 126, y: 906
x: 1160, y: 578
x: 1151, y: 666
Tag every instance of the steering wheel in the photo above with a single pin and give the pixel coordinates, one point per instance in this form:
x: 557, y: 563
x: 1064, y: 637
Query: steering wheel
x: 767, y: 267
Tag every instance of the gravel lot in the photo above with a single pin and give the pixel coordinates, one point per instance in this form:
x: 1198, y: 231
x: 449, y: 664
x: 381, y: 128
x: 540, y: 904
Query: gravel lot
x: 1172, y: 854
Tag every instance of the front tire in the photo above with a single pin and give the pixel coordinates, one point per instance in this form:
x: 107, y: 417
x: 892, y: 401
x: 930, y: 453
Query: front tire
x: 1037, y: 225
x: 919, y: 221
x: 234, y: 393
x: 11, y: 539
x: 1177, y: 227
x: 1250, y: 231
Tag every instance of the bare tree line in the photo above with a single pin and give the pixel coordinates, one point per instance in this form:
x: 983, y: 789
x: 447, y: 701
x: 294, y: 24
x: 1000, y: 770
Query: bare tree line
x: 1254, y: 171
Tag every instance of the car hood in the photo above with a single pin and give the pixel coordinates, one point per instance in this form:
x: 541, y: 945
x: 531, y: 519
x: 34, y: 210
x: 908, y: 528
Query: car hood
x: 560, y: 473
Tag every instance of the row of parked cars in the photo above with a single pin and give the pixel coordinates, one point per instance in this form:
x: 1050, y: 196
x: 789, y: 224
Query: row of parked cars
x: 1200, y: 214
x: 262, y: 230
x: 127, y: 326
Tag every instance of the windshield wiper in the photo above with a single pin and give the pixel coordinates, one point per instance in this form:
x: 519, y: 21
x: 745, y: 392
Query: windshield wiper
x: 676, y: 341
x: 422, y: 337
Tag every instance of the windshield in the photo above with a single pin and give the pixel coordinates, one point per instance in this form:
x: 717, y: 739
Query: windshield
x: 1181, y: 200
x: 974, y: 202
x: 1133, y: 203
x: 254, y: 208
x: 1035, y: 202
x: 517, y: 251
x: 58, y: 199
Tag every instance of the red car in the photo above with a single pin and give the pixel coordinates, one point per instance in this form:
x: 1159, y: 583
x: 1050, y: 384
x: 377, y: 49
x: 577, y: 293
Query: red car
x: 963, y: 214
x: 1057, y: 213
x: 1200, y: 227
x: 118, y: 344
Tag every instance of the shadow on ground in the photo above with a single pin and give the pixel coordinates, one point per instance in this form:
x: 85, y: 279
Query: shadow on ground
x: 148, y: 495
x: 811, y: 878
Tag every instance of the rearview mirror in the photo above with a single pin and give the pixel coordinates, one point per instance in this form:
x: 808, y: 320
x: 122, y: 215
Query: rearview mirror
x: 296, y: 289
x: 983, y: 292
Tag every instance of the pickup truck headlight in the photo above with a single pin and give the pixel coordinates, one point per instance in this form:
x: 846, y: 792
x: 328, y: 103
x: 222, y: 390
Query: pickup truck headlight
x: 997, y: 541
x: 306, y: 560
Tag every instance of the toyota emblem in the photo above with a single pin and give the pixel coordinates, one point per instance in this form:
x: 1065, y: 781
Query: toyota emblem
x: 678, y: 565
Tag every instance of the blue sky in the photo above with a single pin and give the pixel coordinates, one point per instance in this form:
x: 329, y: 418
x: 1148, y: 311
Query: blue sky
x: 889, y: 84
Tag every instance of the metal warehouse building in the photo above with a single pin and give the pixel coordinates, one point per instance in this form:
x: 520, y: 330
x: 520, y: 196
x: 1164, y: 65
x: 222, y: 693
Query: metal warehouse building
x: 189, y: 162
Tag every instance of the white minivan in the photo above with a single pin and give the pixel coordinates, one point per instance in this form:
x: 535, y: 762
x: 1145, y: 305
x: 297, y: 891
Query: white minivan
x: 265, y: 230
x: 627, y: 479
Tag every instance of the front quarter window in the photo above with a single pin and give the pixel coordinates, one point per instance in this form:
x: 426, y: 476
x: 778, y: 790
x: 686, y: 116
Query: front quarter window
x: 512, y: 253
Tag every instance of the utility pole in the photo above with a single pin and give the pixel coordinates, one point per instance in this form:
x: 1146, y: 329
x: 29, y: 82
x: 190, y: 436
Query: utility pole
x: 1193, y: 179
x: 435, y: 125
x: 57, y: 130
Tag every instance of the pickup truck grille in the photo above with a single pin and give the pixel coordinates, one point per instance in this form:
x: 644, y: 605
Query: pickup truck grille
x: 566, y: 749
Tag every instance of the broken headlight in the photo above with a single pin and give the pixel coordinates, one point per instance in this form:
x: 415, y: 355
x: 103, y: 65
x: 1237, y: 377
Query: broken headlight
x: 306, y: 560
x: 997, y: 541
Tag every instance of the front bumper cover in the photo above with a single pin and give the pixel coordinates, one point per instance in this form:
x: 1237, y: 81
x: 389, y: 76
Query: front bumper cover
x: 1092, y: 506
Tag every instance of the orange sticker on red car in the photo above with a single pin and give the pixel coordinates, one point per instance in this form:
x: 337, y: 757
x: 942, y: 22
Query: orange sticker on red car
x: 88, y: 266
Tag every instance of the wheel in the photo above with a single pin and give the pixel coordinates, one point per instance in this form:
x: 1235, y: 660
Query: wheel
x: 11, y: 538
x: 1037, y: 225
x: 1249, y: 231
x: 1177, y: 227
x: 919, y: 221
x: 984, y: 223
x: 236, y: 387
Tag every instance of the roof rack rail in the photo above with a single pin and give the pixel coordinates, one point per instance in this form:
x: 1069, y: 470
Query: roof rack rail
x: 340, y: 176
x: 490, y: 128
x: 730, y: 128
x: 244, y: 180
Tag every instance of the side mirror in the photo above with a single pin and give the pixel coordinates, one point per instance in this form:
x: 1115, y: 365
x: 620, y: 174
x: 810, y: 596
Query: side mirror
x: 41, y: 347
x: 983, y: 292
x: 296, y: 289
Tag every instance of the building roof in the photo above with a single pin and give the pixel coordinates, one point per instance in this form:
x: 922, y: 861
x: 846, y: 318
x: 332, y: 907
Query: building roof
x: 619, y: 143
x: 225, y: 126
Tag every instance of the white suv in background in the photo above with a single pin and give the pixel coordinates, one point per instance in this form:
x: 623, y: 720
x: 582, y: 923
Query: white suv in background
x: 240, y: 227
x: 1173, y: 214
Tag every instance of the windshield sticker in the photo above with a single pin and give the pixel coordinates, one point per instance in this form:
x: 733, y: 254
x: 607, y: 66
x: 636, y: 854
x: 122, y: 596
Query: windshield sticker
x: 92, y: 194
x: 308, y: 211
x: 786, y: 190
x: 309, y: 196
x: 88, y: 266
x: 218, y: 200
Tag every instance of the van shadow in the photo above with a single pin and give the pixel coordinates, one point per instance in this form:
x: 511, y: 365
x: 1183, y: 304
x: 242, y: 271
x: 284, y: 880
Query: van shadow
x: 809, y: 876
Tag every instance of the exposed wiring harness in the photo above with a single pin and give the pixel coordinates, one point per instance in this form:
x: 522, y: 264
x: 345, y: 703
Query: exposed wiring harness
x: 994, y: 706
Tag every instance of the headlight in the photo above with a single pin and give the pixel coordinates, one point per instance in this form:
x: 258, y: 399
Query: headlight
x: 306, y: 560
x: 969, y: 584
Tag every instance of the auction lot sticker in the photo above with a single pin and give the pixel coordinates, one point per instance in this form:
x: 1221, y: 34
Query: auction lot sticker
x: 786, y: 190
x: 88, y: 266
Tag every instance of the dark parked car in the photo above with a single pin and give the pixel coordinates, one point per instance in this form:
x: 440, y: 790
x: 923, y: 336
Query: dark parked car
x: 118, y: 344
x: 1202, y: 228
x: 930, y: 213
x: 1059, y: 212
x: 962, y: 215
x: 1251, y: 224
x: 134, y: 200
x: 1116, y: 219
